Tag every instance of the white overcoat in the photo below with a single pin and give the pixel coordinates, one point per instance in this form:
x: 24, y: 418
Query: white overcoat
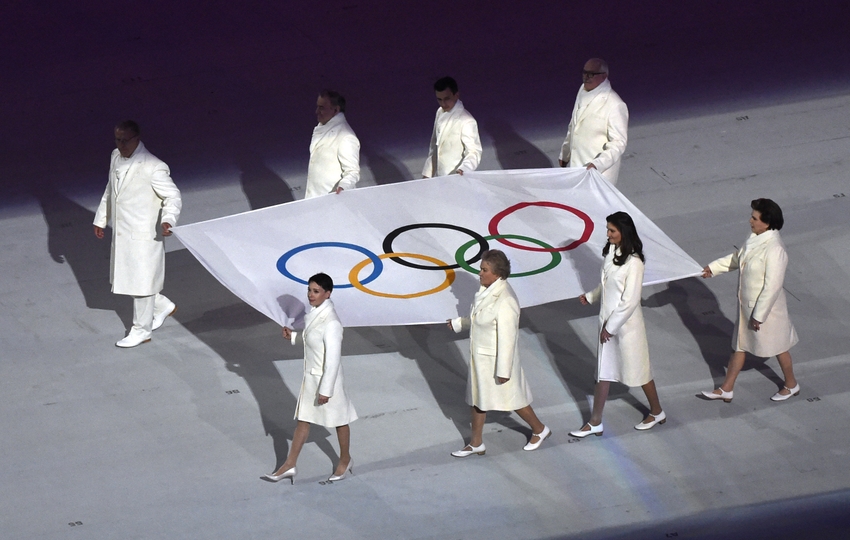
x: 139, y: 196
x: 625, y: 357
x: 761, y: 264
x: 455, y: 143
x: 494, y: 351
x: 322, y: 338
x: 334, y: 158
x: 598, y: 133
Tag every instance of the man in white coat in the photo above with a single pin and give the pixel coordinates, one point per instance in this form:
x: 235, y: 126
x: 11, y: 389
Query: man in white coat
x: 455, y: 144
x: 143, y: 204
x: 334, y: 150
x: 598, y: 132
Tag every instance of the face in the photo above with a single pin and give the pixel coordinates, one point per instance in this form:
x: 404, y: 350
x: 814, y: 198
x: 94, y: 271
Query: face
x: 486, y: 276
x: 446, y: 99
x: 316, y: 295
x: 126, y: 142
x: 756, y: 224
x: 591, y: 75
x: 325, y: 110
x: 614, y: 236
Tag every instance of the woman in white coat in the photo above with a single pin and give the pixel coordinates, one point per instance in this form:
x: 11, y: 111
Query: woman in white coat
x: 622, y: 352
x: 496, y: 381
x: 322, y: 399
x: 763, y: 327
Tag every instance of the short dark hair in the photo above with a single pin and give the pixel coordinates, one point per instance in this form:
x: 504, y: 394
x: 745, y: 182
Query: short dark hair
x: 335, y: 98
x: 323, y: 280
x: 498, y: 261
x: 129, y: 125
x: 630, y: 243
x: 446, y: 82
x: 769, y: 213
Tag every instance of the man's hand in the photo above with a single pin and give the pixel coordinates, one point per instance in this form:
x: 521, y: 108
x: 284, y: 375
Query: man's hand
x: 562, y: 163
x: 501, y: 380
x: 166, y: 229
x: 98, y: 232
x: 460, y: 172
x: 590, y: 166
x: 339, y: 190
x: 583, y: 300
x: 706, y: 272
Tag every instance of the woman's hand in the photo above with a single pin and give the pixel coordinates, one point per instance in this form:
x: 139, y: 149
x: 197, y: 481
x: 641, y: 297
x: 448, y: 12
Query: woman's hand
x: 449, y: 324
x: 287, y: 333
x: 604, y: 336
x: 706, y: 272
x: 501, y: 380
x: 755, y: 325
x: 323, y: 399
x: 583, y: 300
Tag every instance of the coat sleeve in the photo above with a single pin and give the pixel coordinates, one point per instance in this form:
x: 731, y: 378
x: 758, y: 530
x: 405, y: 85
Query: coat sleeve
x: 165, y: 189
x: 428, y: 169
x: 349, y: 161
x: 724, y: 264
x: 618, y: 127
x: 775, y: 263
x: 460, y: 324
x: 472, y: 149
x: 332, y: 338
x: 101, y: 217
x: 565, y: 148
x: 593, y: 296
x: 629, y: 300
x: 507, y: 326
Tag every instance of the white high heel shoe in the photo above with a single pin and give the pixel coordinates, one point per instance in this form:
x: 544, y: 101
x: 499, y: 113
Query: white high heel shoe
x: 724, y: 395
x: 289, y: 473
x: 336, y: 478
x: 594, y: 430
x: 542, y: 436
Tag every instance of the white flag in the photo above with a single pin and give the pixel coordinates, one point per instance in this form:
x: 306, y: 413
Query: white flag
x: 408, y: 253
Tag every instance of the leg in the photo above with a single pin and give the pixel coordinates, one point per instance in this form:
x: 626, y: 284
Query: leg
x: 736, y: 364
x: 537, y: 427
x: 302, y: 430
x: 162, y: 309
x: 143, y: 307
x: 787, y: 371
x: 600, y: 395
x: 343, y: 433
x: 652, y: 397
x: 478, y: 418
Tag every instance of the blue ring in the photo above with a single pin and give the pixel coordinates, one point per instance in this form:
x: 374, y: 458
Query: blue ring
x: 377, y: 263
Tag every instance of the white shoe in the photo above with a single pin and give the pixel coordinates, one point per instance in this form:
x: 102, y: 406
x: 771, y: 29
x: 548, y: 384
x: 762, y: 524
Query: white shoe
x: 468, y: 450
x: 158, y: 319
x: 782, y: 397
x: 724, y: 395
x: 132, y: 340
x: 543, y: 434
x: 659, y: 418
x: 289, y: 473
x: 344, y: 475
x: 594, y: 430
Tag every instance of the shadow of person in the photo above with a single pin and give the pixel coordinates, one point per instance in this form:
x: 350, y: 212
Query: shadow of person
x: 513, y: 151
x: 385, y: 168
x: 261, y: 186
x: 71, y: 241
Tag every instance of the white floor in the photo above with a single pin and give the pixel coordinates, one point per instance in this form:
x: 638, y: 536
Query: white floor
x: 168, y: 440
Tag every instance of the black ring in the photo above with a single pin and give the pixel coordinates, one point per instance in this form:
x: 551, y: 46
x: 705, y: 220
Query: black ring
x: 388, y: 244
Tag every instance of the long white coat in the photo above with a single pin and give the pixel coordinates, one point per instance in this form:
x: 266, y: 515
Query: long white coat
x: 139, y: 196
x: 334, y: 158
x: 762, y: 262
x: 493, y: 350
x: 455, y: 143
x: 598, y: 133
x: 322, y: 338
x: 625, y: 357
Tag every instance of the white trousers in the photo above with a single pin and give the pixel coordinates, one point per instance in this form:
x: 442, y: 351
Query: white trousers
x: 144, y: 309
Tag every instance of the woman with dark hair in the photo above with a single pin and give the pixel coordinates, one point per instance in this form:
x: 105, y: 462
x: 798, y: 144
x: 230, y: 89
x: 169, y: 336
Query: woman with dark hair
x: 322, y: 399
x: 763, y: 327
x: 496, y: 381
x: 622, y: 352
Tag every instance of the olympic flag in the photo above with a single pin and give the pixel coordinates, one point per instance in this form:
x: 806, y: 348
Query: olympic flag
x: 407, y: 253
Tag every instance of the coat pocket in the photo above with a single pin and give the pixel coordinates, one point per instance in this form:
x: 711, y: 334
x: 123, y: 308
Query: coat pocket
x: 485, y: 351
x: 317, y: 371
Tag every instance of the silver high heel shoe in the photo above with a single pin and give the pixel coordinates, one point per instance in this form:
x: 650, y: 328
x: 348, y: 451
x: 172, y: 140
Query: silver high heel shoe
x: 724, y: 395
x: 289, y: 473
x: 350, y: 468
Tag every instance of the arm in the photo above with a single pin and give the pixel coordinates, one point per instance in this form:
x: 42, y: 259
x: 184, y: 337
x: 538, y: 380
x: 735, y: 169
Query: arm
x: 507, y: 327
x: 428, y: 169
x: 458, y: 324
x: 564, y: 157
x: 775, y: 263
x: 332, y: 338
x: 472, y: 149
x: 593, y: 296
x: 612, y: 151
x: 723, y: 264
x: 165, y: 189
x: 349, y: 160
x: 629, y: 299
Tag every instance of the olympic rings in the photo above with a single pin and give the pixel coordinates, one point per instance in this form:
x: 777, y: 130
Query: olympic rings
x: 556, y: 257
x: 379, y: 266
x: 388, y: 244
x: 588, y: 225
x: 460, y: 254
x: 450, y: 275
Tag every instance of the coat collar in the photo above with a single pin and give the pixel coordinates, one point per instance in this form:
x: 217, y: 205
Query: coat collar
x: 487, y: 295
x: 318, y: 313
x: 594, y: 99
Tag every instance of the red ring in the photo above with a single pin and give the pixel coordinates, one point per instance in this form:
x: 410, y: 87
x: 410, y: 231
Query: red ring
x: 588, y: 226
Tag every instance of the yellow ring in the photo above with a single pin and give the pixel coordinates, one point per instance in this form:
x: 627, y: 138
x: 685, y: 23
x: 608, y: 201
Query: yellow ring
x: 355, y: 280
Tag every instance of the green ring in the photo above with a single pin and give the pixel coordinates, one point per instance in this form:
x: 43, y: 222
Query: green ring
x: 460, y: 254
